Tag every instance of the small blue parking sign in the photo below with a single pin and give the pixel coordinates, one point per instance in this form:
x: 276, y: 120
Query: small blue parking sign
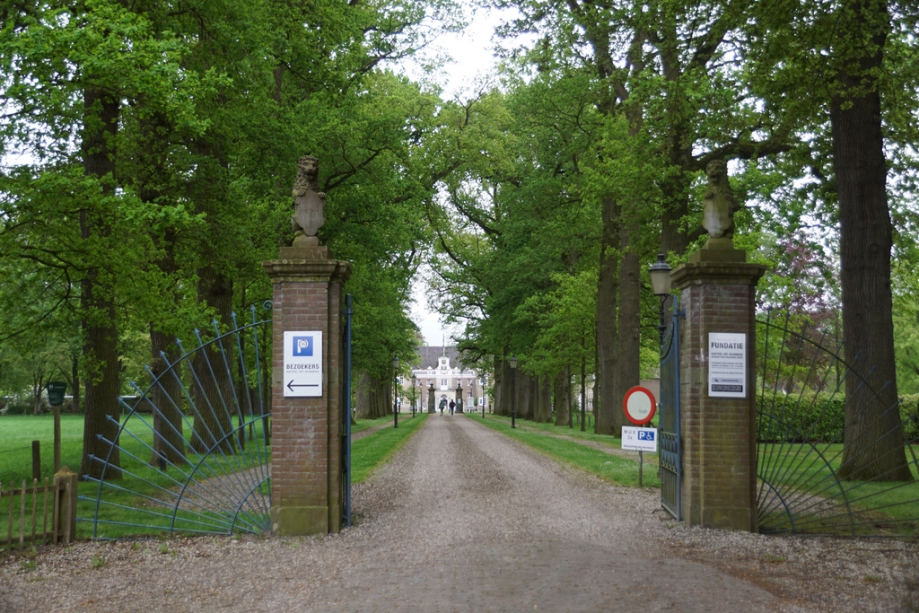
x: 639, y: 439
x: 303, y: 346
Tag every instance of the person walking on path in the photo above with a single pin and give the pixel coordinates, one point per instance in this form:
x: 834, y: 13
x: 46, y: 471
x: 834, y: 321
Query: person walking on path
x: 452, y: 406
x: 443, y: 403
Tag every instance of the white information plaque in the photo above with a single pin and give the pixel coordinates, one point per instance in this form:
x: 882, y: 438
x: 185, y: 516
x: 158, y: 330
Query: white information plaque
x: 302, y: 364
x: 727, y: 365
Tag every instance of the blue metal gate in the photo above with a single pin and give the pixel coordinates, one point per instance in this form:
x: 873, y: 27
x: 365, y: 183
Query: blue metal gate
x: 671, y: 452
x: 346, y: 416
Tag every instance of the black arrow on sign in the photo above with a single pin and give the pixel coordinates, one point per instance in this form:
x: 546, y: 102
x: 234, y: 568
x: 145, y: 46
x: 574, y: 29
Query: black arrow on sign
x: 291, y: 385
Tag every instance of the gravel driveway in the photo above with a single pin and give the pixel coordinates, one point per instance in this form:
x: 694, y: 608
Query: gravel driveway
x: 464, y: 519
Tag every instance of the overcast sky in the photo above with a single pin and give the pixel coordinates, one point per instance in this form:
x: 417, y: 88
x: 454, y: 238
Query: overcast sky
x: 473, y: 60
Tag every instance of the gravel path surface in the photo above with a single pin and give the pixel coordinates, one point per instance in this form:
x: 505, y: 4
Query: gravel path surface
x: 464, y: 519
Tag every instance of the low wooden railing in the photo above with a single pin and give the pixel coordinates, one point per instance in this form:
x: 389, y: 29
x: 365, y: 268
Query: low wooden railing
x: 41, y: 513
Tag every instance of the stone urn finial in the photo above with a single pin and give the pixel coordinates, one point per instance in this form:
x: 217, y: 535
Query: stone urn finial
x: 309, y: 201
x: 719, y: 202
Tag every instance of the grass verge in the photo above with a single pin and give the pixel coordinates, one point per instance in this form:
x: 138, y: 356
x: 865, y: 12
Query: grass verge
x: 608, y: 467
x: 371, y: 452
x: 366, y: 424
x: 551, y: 428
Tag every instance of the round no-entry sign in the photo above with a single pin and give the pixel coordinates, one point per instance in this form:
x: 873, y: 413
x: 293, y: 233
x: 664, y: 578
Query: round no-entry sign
x: 639, y: 405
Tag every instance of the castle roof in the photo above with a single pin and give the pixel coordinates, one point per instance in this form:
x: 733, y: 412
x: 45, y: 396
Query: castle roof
x: 429, y: 356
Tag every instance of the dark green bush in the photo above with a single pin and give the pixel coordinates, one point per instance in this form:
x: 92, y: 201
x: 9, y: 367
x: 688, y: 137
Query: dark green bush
x: 819, y: 418
x: 19, y: 409
x: 909, y: 415
x: 797, y: 417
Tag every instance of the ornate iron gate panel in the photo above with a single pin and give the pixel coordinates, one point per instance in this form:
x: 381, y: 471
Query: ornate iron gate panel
x: 671, y: 456
x: 193, y: 453
x: 812, y: 433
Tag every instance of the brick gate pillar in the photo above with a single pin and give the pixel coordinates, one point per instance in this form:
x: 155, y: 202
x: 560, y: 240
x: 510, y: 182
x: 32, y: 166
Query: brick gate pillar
x: 306, y: 456
x: 717, y: 288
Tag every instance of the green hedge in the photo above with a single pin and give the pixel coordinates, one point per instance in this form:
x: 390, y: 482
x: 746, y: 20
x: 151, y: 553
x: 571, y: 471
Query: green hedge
x: 792, y: 418
x: 909, y: 415
x: 19, y: 409
x: 819, y: 418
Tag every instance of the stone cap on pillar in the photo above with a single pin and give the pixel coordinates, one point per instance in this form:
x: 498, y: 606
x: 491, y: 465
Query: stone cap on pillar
x: 306, y: 249
x: 717, y: 272
x: 296, y: 265
x: 718, y: 250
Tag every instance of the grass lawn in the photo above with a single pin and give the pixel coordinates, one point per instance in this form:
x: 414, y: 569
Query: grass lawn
x: 16, y: 435
x: 141, y: 500
x: 803, y: 469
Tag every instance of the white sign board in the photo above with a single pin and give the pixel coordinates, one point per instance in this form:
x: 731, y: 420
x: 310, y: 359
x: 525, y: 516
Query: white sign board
x: 727, y: 365
x: 302, y: 364
x: 639, y: 439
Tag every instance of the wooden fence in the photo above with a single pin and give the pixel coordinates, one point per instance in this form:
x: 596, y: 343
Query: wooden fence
x: 39, y: 514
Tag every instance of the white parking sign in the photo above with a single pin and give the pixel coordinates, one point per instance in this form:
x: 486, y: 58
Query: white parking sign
x: 639, y: 439
x: 302, y: 364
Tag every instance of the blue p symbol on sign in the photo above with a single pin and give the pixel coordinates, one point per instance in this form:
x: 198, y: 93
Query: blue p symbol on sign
x: 303, y: 346
x: 645, y: 436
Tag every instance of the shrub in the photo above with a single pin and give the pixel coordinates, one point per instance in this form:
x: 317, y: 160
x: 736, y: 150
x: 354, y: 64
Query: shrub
x: 19, y: 409
x: 909, y: 416
x: 817, y: 417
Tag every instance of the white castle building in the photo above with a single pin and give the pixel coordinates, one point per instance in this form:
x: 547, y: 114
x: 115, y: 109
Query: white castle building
x: 440, y: 367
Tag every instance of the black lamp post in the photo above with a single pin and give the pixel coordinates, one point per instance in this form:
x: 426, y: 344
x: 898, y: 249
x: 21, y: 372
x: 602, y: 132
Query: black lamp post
x: 660, y: 285
x: 414, y: 380
x: 395, y: 397
x: 513, y: 363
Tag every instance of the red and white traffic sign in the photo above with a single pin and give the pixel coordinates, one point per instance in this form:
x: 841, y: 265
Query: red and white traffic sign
x: 639, y: 405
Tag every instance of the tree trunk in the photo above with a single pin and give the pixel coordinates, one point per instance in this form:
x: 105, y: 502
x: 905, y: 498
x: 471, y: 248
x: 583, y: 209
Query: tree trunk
x: 212, y: 388
x: 75, y: 382
x: 627, y: 372
x: 38, y: 381
x: 97, y: 301
x: 362, y: 392
x: 874, y: 441
x: 502, y: 404
x: 526, y: 386
x: 583, y: 394
x: 151, y: 173
x: 166, y: 397
x: 543, y: 401
x: 607, y: 337
x: 562, y: 392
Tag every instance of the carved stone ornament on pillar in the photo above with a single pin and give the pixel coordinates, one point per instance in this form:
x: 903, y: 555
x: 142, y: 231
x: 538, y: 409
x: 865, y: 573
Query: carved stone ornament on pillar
x: 309, y: 201
x: 719, y: 203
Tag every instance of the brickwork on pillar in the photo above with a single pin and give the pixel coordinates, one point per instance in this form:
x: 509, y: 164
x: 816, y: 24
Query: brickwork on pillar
x: 719, y: 434
x: 306, y: 457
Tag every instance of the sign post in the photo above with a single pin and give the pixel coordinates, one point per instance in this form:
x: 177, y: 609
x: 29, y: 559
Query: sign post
x: 56, y: 391
x: 639, y: 408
